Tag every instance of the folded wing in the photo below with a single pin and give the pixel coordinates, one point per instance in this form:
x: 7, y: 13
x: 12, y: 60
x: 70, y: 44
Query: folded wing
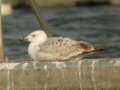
x: 59, y: 48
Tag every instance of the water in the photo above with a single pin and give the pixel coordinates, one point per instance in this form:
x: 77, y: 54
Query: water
x: 98, y: 25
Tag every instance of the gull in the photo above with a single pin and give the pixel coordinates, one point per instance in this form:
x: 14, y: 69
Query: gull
x: 42, y: 47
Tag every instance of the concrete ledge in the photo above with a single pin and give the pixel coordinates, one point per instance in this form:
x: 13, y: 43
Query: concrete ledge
x: 88, y: 74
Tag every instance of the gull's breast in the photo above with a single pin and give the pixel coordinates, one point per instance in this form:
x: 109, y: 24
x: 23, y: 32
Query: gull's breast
x: 33, y: 50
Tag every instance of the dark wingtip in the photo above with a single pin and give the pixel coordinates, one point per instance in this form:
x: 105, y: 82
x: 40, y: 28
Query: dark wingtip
x: 97, y: 50
x: 102, y: 48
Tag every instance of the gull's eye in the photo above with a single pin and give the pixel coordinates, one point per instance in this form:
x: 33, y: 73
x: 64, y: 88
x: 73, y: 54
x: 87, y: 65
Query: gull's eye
x: 33, y: 35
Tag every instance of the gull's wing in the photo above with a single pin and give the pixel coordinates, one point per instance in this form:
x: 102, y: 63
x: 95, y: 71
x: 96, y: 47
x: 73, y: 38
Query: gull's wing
x: 96, y: 50
x: 59, y: 48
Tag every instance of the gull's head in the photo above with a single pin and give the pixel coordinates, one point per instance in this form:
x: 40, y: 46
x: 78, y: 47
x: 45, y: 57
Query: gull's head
x: 36, y: 36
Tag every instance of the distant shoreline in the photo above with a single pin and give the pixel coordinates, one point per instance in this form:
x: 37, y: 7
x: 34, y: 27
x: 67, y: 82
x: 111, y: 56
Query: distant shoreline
x: 55, y: 4
x: 65, y: 3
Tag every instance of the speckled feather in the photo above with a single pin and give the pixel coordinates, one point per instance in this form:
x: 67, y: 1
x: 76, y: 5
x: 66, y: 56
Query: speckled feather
x: 61, y: 48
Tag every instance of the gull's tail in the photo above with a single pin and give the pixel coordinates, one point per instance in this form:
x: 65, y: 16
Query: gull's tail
x: 96, y: 50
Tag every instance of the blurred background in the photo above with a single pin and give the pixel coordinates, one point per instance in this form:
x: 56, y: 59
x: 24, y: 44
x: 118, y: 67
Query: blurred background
x: 94, y: 21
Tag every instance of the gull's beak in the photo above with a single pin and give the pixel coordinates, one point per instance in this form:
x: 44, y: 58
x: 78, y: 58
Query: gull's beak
x: 23, y: 40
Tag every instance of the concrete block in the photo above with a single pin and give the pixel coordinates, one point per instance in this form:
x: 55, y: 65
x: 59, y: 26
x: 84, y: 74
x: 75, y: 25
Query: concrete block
x: 88, y: 74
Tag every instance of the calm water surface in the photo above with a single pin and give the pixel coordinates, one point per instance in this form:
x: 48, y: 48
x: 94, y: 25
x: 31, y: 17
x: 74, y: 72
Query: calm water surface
x: 97, y: 25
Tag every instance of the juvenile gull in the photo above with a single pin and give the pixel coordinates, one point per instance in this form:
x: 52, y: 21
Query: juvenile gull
x: 57, y: 48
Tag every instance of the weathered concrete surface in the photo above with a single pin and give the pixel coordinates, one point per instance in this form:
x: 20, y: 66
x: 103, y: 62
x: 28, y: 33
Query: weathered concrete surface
x: 102, y: 74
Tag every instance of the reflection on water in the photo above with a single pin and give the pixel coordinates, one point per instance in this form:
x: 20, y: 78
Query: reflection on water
x: 97, y: 25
